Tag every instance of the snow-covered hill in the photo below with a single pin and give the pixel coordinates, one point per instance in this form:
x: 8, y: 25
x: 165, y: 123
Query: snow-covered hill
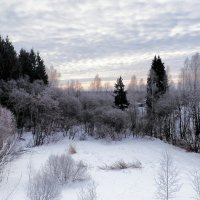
x: 123, y: 184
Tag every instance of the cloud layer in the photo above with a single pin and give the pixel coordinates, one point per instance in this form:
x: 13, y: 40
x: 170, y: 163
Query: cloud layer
x: 111, y: 37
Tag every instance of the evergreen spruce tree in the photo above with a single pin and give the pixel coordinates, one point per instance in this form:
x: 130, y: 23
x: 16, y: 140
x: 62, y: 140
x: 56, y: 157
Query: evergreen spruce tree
x: 120, y: 95
x: 157, y: 84
x: 32, y: 66
x: 26, y: 65
x: 40, y: 70
x: 8, y: 60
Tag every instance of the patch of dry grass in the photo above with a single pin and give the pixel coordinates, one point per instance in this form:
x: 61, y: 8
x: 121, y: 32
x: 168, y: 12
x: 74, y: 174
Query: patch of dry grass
x: 122, y: 165
x: 72, y: 150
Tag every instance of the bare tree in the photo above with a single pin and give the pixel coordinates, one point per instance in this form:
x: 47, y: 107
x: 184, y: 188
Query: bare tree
x: 132, y: 87
x: 167, y: 180
x: 141, y: 85
x: 53, y: 76
x: 107, y: 87
x: 96, y: 84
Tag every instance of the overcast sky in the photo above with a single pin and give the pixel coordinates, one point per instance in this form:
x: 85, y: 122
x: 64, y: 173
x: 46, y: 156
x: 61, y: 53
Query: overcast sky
x: 81, y: 38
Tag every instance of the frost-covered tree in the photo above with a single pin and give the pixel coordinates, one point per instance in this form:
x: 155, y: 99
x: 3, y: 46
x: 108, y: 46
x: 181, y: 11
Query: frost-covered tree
x: 74, y: 88
x: 7, y: 138
x: 53, y: 76
x: 167, y: 179
x: 120, y: 95
x: 44, y: 112
x: 190, y: 74
x: 133, y: 84
x: 189, y: 107
x: 96, y: 85
x: 107, y: 87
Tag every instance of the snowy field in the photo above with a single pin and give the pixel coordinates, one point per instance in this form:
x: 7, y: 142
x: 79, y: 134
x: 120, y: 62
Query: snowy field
x: 126, y: 184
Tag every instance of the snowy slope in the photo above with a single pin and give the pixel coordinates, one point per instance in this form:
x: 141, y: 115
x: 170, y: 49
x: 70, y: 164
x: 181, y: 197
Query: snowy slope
x: 125, y: 184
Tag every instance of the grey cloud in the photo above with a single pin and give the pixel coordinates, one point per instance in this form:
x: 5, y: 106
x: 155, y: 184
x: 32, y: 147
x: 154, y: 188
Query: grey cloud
x: 75, y: 35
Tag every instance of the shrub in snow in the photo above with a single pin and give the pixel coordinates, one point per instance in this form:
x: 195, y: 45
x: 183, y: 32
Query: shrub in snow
x: 64, y: 169
x: 122, y: 165
x: 88, y: 193
x: 58, y: 170
x: 43, y: 186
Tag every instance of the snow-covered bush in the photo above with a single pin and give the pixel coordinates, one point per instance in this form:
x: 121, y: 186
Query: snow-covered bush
x: 43, y: 186
x: 64, y: 169
x: 57, y: 171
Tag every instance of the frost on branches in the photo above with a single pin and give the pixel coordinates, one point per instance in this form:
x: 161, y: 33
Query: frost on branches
x: 7, y: 138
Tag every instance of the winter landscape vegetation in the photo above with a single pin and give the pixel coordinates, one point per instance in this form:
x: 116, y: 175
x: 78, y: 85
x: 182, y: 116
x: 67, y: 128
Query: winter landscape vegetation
x: 106, y: 137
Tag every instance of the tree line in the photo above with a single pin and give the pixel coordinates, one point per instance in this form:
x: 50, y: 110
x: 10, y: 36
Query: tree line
x: 23, y: 65
x: 158, y: 109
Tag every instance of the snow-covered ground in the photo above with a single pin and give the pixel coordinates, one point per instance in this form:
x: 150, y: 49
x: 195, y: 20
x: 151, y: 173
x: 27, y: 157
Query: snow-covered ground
x: 124, y: 184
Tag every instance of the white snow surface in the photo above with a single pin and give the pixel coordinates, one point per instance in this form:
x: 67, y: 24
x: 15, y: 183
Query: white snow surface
x: 126, y: 184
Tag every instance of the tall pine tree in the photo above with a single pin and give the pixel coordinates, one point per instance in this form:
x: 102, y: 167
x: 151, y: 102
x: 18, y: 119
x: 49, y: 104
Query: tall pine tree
x: 120, y: 95
x: 157, y: 84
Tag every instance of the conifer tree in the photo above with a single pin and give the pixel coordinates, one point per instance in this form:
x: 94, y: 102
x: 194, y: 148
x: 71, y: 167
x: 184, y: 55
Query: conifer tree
x: 120, y: 95
x: 8, y: 60
x: 157, y: 84
x: 25, y: 63
x: 32, y: 66
x: 40, y: 70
